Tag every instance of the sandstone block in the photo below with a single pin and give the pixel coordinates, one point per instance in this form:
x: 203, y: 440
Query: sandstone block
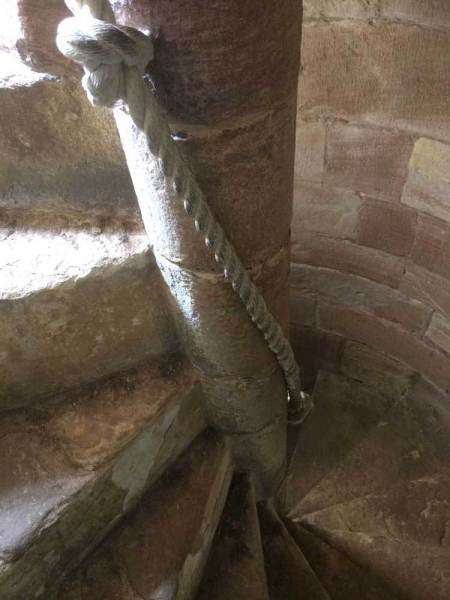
x: 431, y: 289
x: 360, y: 294
x: 302, y: 308
x: 438, y: 332
x: 389, y: 338
x: 372, y: 162
x: 376, y: 369
x: 377, y: 73
x: 339, y: 9
x: 320, y: 209
x: 431, y: 248
x: 433, y: 13
x: 428, y: 186
x: 310, y: 151
x: 343, y: 255
x: 387, y: 227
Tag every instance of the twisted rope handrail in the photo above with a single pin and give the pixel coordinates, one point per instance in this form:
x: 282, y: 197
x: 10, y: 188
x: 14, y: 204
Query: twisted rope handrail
x: 114, y: 60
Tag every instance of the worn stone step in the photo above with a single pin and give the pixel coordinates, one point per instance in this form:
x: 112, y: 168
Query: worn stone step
x: 80, y: 299
x: 57, y: 151
x: 160, y: 550
x: 412, y: 441
x: 344, y: 412
x: 235, y: 568
x: 409, y: 569
x: 342, y: 578
x: 289, y: 575
x: 416, y: 511
x: 71, y: 469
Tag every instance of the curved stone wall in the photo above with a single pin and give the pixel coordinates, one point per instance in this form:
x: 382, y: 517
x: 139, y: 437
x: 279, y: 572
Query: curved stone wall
x: 371, y: 231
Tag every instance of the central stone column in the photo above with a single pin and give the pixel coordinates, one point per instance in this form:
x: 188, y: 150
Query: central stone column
x: 227, y: 74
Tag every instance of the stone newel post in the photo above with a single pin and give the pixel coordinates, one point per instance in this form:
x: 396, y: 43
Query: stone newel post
x: 227, y: 74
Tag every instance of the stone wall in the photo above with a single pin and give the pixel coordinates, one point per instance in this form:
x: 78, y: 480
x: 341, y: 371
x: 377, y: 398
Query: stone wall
x: 371, y: 230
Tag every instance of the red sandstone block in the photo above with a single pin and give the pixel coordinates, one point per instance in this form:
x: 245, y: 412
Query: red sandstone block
x: 370, y: 161
x: 431, y: 248
x: 381, y: 73
x: 325, y: 210
x: 429, y: 288
x: 343, y: 255
x: 389, y: 338
x: 344, y: 289
x: 388, y: 227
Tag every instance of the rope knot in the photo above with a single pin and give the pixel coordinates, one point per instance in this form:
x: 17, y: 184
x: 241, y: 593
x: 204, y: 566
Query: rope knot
x: 104, y: 50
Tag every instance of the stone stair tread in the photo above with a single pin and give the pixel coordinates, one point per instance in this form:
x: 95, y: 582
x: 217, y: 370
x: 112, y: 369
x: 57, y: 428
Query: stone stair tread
x: 344, y: 412
x: 342, y: 578
x: 160, y: 549
x: 79, y: 300
x: 411, y: 570
x: 71, y: 468
x: 289, y: 574
x: 411, y: 442
x: 417, y: 511
x: 235, y: 569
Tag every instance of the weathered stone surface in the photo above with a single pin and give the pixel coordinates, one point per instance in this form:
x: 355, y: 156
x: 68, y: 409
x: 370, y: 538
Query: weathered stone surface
x: 235, y: 567
x: 58, y: 152
x: 331, y: 211
x: 428, y: 184
x: 429, y: 288
x: 410, y: 570
x: 433, y: 13
x: 161, y: 549
x: 310, y: 151
x: 403, y: 447
x: 373, y: 162
x: 431, y: 248
x: 76, y: 467
x: 414, y: 511
x: 361, y: 295
x: 339, y: 9
x: 302, y: 308
x: 343, y: 255
x: 79, y: 300
x: 288, y: 573
x: 342, y: 578
x: 389, y: 338
x: 253, y: 60
x: 378, y: 73
x: 438, y: 332
x: 315, y: 349
x: 377, y: 370
x: 345, y: 410
x: 387, y: 227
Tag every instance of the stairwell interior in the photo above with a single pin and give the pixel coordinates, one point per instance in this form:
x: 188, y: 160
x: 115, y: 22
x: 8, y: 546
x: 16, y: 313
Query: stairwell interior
x: 112, y: 486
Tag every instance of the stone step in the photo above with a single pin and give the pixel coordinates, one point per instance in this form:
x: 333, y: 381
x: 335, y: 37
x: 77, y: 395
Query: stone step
x: 342, y: 578
x: 344, y: 412
x: 80, y: 299
x: 58, y: 153
x: 410, y: 570
x: 289, y: 575
x: 411, y: 442
x: 235, y: 568
x: 416, y: 511
x: 71, y: 469
x: 160, y: 550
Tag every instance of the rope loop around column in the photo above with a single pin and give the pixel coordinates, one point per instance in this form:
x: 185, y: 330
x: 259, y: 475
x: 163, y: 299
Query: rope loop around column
x: 114, y: 59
